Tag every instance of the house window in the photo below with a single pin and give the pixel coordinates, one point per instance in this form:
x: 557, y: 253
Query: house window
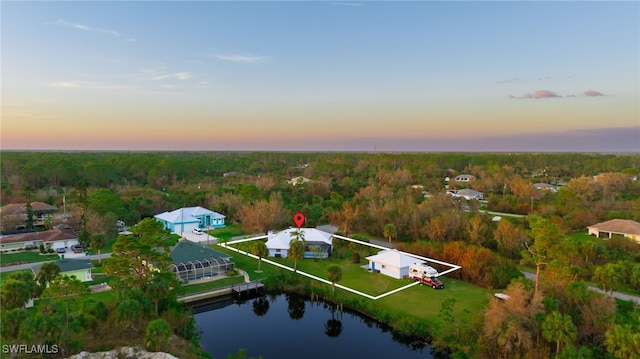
x: 277, y: 250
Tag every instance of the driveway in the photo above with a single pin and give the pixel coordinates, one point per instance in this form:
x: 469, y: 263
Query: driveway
x: 200, y: 238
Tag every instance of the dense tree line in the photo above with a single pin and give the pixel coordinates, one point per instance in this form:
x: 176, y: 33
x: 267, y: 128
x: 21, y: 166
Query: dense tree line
x: 395, y: 197
x: 145, y: 309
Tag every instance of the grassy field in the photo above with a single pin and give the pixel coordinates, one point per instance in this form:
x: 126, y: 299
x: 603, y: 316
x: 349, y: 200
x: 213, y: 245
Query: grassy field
x: 227, y: 232
x: 26, y: 257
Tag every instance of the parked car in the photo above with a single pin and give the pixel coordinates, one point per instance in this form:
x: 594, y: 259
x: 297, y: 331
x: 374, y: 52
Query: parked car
x: 197, y: 231
x: 61, y: 250
x: 77, y: 248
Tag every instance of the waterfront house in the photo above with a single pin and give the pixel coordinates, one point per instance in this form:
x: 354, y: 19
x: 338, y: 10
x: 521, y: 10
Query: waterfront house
x: 391, y: 262
x: 318, y: 243
x: 193, y: 261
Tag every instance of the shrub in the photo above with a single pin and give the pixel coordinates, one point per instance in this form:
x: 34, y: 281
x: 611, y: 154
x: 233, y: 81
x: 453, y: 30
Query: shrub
x: 232, y: 272
x: 157, y: 335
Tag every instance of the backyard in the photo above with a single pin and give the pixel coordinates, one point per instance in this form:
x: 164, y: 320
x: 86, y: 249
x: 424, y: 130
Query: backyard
x: 420, y: 302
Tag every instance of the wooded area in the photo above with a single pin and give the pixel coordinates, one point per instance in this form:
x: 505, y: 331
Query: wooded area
x: 400, y: 198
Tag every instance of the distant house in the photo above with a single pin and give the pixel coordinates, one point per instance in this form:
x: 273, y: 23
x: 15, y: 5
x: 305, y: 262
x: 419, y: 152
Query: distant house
x: 392, y: 263
x: 545, y: 187
x: 318, y: 243
x: 189, y: 218
x: 78, y: 268
x: 40, y: 212
x: 623, y: 227
x: 467, y: 194
x: 193, y: 261
x: 296, y: 181
x: 465, y: 178
x: 55, y: 238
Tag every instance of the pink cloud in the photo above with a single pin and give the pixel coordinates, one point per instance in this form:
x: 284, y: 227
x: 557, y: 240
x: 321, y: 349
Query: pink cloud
x: 592, y: 93
x: 538, y: 94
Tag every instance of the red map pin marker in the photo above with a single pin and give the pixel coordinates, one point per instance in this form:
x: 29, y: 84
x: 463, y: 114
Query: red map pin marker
x: 299, y: 219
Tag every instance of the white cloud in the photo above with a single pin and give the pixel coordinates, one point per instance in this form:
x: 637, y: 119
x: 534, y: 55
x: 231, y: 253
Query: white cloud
x: 87, y: 28
x: 64, y: 84
x: 177, y: 76
x: 241, y: 59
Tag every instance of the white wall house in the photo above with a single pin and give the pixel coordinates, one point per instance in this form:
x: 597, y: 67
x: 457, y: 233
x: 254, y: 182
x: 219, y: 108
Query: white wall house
x: 465, y: 178
x: 318, y: 243
x: 392, y: 263
x: 56, y: 238
x: 623, y: 227
x: 466, y: 193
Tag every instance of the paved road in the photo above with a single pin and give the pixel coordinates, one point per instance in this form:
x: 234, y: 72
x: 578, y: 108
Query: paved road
x: 618, y: 295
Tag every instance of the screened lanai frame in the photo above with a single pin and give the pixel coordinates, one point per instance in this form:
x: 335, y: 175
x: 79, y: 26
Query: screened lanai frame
x: 203, y: 268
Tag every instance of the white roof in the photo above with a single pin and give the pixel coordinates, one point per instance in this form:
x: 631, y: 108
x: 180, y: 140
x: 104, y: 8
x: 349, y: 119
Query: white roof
x: 281, y: 239
x: 187, y: 215
x: 393, y: 258
x: 468, y: 192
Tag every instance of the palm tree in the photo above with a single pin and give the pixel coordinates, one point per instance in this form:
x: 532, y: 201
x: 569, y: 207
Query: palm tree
x: 560, y: 328
x: 47, y: 273
x: 334, y: 272
x: 622, y: 341
x: 98, y: 241
x: 296, y: 252
x: 389, y: 232
x: 609, y: 276
x: 259, y: 248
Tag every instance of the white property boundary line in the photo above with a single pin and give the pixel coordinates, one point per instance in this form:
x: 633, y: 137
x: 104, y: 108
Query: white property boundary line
x: 453, y: 266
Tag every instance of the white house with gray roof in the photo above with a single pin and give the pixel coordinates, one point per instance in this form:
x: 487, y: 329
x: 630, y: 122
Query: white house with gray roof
x: 318, y: 243
x: 392, y: 263
x: 189, y: 218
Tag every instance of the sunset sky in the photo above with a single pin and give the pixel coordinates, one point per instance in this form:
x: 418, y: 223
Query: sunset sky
x: 321, y: 76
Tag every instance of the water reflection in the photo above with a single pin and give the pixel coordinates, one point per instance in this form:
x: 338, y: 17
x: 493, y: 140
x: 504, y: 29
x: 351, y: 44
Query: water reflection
x: 260, y: 306
x: 296, y: 306
x: 267, y: 324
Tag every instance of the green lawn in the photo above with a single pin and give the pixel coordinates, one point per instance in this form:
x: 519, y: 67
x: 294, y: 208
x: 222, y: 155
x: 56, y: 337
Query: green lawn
x: 227, y: 232
x: 581, y: 237
x: 26, y: 257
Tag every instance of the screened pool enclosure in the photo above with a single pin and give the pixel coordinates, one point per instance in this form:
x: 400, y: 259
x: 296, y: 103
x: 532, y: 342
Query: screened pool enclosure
x: 201, y: 268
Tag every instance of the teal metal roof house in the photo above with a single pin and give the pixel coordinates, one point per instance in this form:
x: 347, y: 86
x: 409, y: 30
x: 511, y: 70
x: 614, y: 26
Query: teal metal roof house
x: 189, y: 218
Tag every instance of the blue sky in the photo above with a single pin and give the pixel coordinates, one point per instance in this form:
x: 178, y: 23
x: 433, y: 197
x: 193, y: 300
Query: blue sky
x: 394, y: 76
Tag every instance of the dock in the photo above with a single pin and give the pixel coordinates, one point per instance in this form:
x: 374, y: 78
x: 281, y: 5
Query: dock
x: 247, y: 289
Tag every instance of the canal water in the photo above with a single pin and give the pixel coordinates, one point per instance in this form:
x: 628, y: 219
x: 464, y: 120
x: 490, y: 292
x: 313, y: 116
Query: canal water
x: 288, y: 326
